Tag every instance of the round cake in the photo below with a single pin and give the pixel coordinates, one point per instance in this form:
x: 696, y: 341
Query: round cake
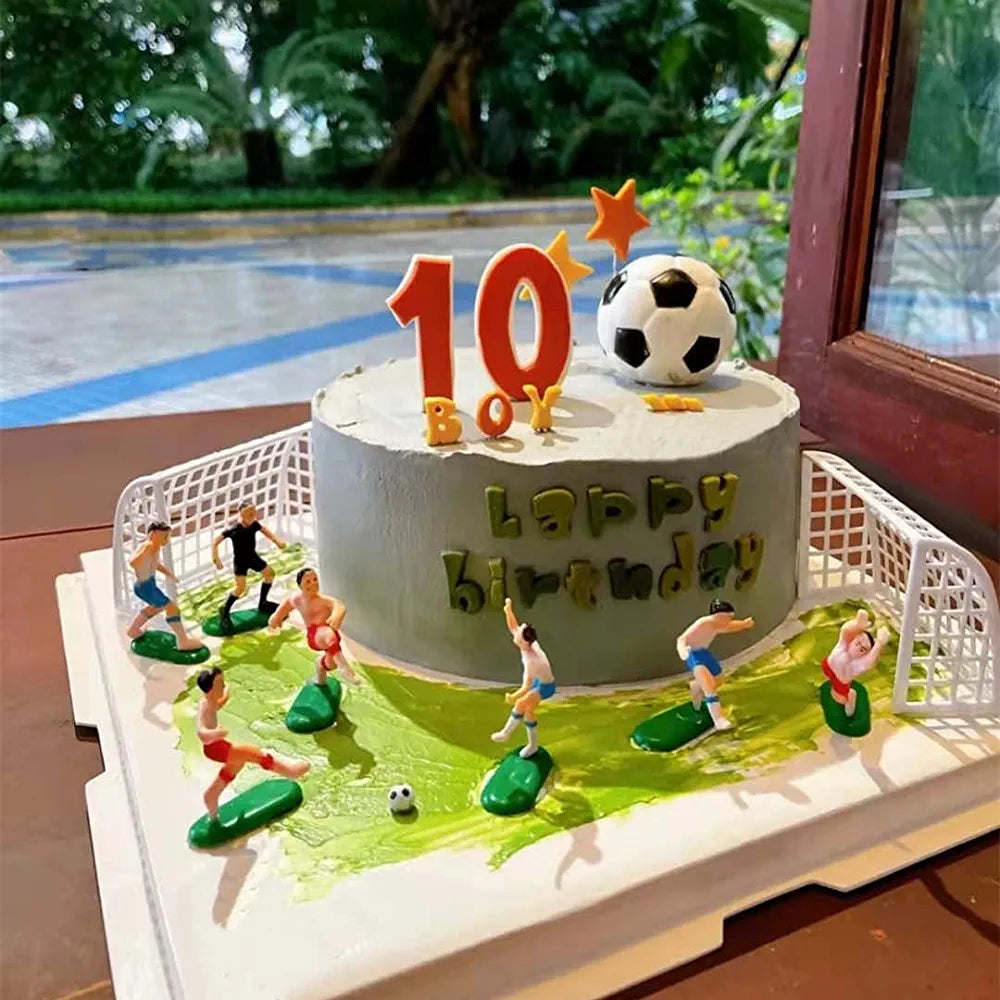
x: 610, y: 534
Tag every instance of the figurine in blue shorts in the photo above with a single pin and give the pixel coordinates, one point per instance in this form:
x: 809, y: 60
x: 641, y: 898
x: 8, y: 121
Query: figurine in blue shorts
x: 706, y: 674
x: 538, y: 683
x: 145, y: 563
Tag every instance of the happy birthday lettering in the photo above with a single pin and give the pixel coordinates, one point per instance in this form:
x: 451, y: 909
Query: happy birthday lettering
x: 556, y: 510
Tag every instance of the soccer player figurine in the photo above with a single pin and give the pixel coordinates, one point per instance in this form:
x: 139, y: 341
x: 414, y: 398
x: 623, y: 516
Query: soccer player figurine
x: 856, y: 652
x: 232, y: 756
x: 537, y: 685
x: 245, y: 558
x: 322, y: 616
x: 145, y: 563
x: 692, y: 648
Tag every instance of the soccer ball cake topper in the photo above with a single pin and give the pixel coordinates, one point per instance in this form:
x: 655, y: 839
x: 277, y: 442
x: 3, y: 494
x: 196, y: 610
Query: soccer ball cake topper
x: 666, y: 320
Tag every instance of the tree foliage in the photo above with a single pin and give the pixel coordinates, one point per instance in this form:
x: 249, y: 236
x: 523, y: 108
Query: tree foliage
x: 75, y: 66
x: 411, y: 91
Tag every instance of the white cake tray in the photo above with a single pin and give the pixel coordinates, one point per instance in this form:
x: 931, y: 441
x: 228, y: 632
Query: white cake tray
x: 646, y: 891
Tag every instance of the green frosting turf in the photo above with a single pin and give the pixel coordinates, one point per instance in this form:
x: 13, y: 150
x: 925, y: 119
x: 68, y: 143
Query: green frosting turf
x: 315, y: 707
x: 673, y: 728
x: 163, y: 646
x: 251, y: 809
x: 859, y: 724
x: 396, y: 727
x: 515, y: 785
x: 243, y: 621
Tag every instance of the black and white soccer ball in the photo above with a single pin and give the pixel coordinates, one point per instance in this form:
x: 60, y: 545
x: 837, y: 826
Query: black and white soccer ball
x: 666, y: 320
x: 401, y: 799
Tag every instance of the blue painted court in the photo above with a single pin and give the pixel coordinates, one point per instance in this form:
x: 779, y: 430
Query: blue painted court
x: 127, y: 329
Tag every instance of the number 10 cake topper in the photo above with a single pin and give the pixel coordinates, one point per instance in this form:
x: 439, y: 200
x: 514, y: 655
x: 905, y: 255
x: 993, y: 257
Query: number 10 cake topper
x: 425, y: 295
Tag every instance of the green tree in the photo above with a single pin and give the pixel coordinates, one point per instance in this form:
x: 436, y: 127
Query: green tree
x: 597, y: 88
x: 949, y: 242
x: 76, y: 66
x: 254, y: 105
x: 466, y: 33
x: 753, y: 263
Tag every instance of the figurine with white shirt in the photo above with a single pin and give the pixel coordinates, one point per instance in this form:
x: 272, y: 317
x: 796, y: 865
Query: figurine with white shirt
x: 519, y: 779
x: 706, y: 672
x: 538, y: 683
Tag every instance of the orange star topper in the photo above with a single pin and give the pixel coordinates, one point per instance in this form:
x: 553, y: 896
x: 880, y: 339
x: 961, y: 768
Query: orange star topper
x: 618, y: 220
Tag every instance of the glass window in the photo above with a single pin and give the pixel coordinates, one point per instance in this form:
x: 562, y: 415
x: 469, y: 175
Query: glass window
x: 935, y: 279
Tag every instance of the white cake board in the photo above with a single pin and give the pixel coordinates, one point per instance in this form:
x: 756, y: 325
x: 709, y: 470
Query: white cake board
x: 184, y: 925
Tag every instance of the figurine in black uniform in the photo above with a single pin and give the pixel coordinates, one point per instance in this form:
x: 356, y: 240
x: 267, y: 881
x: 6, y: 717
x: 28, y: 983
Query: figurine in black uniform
x: 243, y: 535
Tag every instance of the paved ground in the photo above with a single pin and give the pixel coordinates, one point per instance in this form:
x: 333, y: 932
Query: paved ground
x: 126, y: 329
x: 131, y: 329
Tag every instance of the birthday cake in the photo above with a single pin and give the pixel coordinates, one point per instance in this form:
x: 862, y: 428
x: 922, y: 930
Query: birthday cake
x: 376, y: 837
x: 610, y: 534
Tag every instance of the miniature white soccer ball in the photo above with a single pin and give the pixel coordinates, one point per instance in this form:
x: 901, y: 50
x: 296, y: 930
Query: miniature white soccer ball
x: 666, y: 320
x: 401, y: 799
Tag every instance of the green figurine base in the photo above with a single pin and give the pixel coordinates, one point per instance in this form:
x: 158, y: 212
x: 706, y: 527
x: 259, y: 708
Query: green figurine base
x: 515, y: 785
x: 158, y: 645
x: 243, y: 621
x: 672, y: 729
x: 315, y: 707
x: 246, y: 812
x: 858, y: 724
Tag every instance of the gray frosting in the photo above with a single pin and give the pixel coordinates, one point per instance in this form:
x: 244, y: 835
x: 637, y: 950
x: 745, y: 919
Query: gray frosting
x: 388, y: 505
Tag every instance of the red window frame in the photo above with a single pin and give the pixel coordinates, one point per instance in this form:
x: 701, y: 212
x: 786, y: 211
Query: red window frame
x: 925, y: 425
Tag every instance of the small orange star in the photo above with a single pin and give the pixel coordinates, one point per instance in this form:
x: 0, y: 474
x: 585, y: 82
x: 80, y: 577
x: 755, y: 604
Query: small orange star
x: 618, y: 220
x: 572, y: 270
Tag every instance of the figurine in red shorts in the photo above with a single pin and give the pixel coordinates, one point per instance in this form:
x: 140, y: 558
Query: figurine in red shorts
x: 322, y: 617
x: 856, y: 652
x: 232, y: 756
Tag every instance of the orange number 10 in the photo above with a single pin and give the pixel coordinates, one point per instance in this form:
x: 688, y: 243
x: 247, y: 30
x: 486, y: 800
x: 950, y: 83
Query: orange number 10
x: 425, y: 295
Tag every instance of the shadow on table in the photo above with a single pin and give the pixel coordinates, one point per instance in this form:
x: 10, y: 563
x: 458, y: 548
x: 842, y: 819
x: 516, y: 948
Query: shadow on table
x: 239, y: 864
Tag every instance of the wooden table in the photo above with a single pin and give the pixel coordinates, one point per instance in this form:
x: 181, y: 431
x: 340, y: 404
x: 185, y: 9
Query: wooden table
x: 931, y: 930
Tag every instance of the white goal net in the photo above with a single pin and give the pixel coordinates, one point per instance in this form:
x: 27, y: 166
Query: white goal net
x: 857, y: 540
x: 854, y: 540
x: 199, y: 499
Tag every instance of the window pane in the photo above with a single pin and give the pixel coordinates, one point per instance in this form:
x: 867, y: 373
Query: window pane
x: 935, y: 281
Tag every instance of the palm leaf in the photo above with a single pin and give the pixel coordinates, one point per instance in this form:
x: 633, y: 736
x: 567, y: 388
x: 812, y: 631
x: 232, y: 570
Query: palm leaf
x: 274, y: 66
x: 735, y: 135
x: 281, y: 64
x: 313, y: 70
x: 345, y: 106
x: 794, y: 13
x: 150, y: 158
x: 189, y: 101
x: 627, y: 115
x: 223, y: 81
x: 607, y: 87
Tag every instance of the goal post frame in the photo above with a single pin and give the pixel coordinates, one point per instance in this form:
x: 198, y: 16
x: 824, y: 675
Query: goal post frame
x: 855, y: 539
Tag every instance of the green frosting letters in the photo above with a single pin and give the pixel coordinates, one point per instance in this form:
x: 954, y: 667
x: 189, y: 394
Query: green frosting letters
x: 718, y: 494
x: 610, y: 507
x: 749, y: 554
x: 554, y: 510
x: 581, y: 582
x: 714, y: 564
x: 502, y: 524
x: 530, y: 584
x: 666, y: 498
x: 498, y: 583
x: 677, y: 577
x: 464, y: 595
x: 630, y: 581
